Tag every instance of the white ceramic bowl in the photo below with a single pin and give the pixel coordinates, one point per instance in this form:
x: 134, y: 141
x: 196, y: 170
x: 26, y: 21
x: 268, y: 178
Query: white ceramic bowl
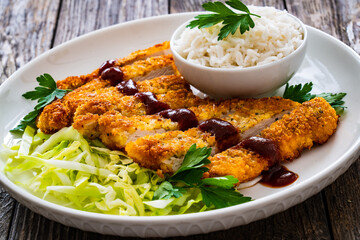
x: 240, y: 82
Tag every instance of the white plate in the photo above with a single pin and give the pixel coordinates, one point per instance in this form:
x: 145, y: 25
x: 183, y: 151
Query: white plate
x: 329, y: 64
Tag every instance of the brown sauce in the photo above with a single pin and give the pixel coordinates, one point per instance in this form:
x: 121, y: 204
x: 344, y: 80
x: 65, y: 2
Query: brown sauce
x: 114, y: 74
x: 265, y: 147
x: 184, y: 117
x: 127, y: 87
x: 226, y: 134
x: 108, y: 64
x: 278, y: 176
x: 151, y: 103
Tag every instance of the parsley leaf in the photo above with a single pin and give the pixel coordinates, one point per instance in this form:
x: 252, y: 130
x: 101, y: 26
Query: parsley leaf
x: 217, y: 191
x: 231, y: 20
x: 335, y: 100
x: 221, y: 197
x: 44, y: 94
x: 226, y: 182
x: 300, y: 93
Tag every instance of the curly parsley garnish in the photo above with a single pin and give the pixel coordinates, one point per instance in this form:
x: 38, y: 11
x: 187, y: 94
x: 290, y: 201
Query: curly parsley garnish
x: 217, y: 191
x: 231, y: 20
x: 300, y: 93
x: 44, y: 94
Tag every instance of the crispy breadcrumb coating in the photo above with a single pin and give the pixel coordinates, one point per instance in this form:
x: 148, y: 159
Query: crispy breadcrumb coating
x: 242, y: 113
x: 98, y: 97
x: 239, y: 162
x: 116, y: 130
x: 74, y: 82
x: 312, y: 122
x: 166, y: 151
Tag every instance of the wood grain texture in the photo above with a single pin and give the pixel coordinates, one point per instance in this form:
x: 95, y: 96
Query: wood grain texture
x: 349, y: 22
x: 195, y: 5
x: 26, y: 30
x: 317, y: 13
x: 80, y: 17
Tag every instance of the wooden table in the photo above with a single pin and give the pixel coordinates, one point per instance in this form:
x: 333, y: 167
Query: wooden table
x: 31, y: 27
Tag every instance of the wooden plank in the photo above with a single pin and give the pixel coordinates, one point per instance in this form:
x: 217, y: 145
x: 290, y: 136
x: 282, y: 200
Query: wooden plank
x: 26, y: 30
x: 349, y: 22
x: 343, y: 204
x: 317, y: 13
x: 195, y: 5
x: 80, y: 17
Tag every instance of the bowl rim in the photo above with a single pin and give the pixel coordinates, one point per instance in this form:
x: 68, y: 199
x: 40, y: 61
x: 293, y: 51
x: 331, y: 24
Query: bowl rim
x: 178, y: 57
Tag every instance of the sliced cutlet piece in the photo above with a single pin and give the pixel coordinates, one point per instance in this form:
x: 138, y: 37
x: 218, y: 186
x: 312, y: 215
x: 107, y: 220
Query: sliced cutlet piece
x: 248, y: 116
x: 156, y: 50
x: 251, y: 112
x: 116, y: 130
x: 242, y: 163
x: 166, y: 151
x: 74, y: 82
x: 87, y: 115
x: 168, y: 89
x: 95, y: 97
x: 150, y: 68
x: 312, y: 122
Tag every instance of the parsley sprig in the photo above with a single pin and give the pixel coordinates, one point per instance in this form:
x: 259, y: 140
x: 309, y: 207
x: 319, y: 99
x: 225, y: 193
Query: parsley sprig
x: 217, y: 191
x: 44, y: 94
x: 231, y: 20
x: 300, y: 93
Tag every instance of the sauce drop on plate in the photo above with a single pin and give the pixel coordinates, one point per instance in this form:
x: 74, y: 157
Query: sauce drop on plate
x: 278, y: 176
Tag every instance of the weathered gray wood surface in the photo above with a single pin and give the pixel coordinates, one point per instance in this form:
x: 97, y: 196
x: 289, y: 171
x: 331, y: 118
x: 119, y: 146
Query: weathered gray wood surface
x: 30, y: 27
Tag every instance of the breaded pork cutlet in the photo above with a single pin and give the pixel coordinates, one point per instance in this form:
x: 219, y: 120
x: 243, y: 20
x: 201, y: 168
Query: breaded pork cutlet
x: 165, y: 151
x: 313, y: 121
x: 243, y: 114
x: 116, y: 130
x: 249, y: 116
x: 74, y: 82
x: 82, y: 107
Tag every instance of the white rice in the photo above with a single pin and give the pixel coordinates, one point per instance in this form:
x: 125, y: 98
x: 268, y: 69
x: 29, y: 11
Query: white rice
x: 274, y: 36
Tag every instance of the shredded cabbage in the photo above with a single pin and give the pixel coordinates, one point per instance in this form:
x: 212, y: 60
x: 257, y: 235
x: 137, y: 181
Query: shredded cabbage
x: 66, y: 169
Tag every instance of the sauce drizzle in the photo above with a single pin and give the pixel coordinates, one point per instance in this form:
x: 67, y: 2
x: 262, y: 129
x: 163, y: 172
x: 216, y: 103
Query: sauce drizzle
x: 151, y: 103
x: 113, y: 74
x: 265, y: 147
x: 108, y: 64
x: 184, y: 117
x: 226, y: 135
x: 127, y: 87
